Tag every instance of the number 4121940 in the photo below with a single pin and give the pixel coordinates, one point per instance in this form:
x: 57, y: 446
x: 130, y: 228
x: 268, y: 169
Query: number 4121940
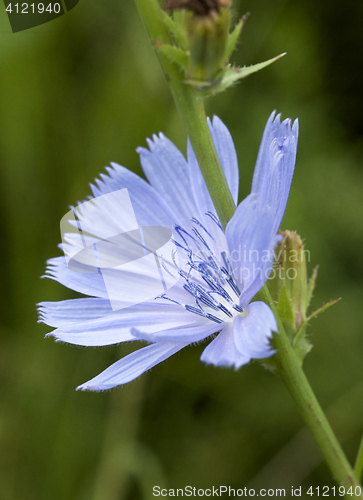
x: 39, y: 8
x: 326, y: 491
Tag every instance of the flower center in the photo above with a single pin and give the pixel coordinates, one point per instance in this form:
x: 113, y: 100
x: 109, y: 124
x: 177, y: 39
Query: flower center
x: 208, y: 280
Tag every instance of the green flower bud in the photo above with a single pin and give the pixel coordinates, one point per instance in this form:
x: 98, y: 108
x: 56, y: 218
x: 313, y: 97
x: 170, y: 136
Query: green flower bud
x: 207, y: 46
x: 289, y: 283
x: 202, y: 45
x: 292, y: 290
x: 207, y: 27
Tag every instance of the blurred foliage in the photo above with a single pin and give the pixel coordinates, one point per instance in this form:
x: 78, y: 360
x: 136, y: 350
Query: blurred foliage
x: 86, y: 89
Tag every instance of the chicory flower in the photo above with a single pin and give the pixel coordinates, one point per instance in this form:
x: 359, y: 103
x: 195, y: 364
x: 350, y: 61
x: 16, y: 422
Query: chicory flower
x: 219, y: 273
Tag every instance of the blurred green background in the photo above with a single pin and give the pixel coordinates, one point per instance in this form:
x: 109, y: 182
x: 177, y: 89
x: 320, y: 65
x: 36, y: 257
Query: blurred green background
x: 86, y: 89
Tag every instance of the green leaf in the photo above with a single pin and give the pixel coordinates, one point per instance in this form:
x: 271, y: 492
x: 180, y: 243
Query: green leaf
x: 174, y: 54
x: 300, y: 344
x: 232, y: 74
x: 234, y: 36
x: 322, y: 309
x: 311, y: 286
x: 286, y: 313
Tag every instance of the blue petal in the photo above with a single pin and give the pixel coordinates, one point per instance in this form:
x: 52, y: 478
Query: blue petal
x: 222, y: 350
x: 193, y: 332
x: 132, y: 366
x: 275, y: 166
x: 116, y: 326
x: 227, y: 156
x: 67, y: 312
x: 85, y: 283
x: 252, y: 332
x: 149, y: 206
x: 226, y: 153
x: 248, y: 235
x: 167, y: 171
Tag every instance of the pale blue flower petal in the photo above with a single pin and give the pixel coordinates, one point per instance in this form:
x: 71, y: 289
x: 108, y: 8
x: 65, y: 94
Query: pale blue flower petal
x: 167, y: 171
x: 71, y: 311
x: 86, y: 283
x: 275, y: 166
x: 250, y: 247
x: 116, y: 326
x: 252, y: 333
x: 222, y: 350
x: 262, y: 172
x: 227, y: 156
x: 142, y: 195
x: 132, y: 366
x: 193, y: 332
x: 226, y: 153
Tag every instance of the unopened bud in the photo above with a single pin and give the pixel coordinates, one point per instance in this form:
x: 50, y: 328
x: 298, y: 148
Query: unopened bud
x: 207, y: 25
x: 289, y: 272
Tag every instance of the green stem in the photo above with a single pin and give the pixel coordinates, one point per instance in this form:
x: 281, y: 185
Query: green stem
x: 358, y: 467
x: 191, y: 109
x: 297, y: 384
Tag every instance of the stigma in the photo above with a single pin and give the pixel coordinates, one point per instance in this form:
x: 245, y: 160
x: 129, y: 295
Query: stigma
x: 207, y: 277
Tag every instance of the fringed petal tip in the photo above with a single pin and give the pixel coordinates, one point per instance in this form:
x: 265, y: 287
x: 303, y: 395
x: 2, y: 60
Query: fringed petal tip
x: 89, y: 388
x: 40, y: 311
x: 157, y: 142
x: 52, y: 334
x: 279, y: 128
x: 51, y: 268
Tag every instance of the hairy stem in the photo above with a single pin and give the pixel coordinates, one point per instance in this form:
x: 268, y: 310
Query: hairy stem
x: 298, y: 386
x: 191, y: 109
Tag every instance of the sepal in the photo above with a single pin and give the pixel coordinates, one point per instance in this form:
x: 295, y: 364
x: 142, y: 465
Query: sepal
x: 233, y: 74
x: 323, y: 308
x: 233, y: 37
x: 174, y: 54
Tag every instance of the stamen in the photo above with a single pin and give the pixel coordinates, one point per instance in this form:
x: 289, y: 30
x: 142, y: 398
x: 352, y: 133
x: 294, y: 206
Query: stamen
x: 213, y: 318
x: 205, y: 279
x: 194, y: 310
x: 196, y: 221
x: 200, y: 237
x: 163, y: 296
x: 180, y: 230
x: 214, y: 219
x: 225, y: 310
x: 229, y: 271
x: 164, y: 265
x: 237, y: 308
